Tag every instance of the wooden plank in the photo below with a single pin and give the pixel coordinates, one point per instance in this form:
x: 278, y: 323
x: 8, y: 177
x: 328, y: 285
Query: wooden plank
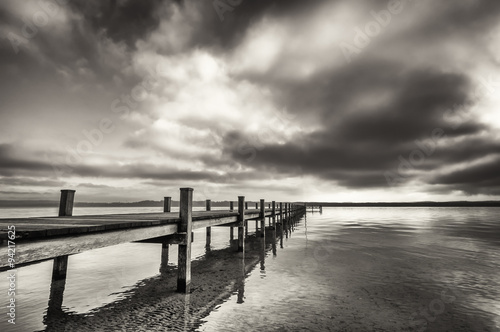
x: 42, y: 249
x: 214, y: 222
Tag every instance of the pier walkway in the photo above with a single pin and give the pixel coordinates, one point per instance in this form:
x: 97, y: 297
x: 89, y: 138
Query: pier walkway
x: 30, y: 240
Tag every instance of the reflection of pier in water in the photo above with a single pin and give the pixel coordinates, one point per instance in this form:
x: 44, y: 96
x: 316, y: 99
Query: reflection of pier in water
x: 154, y: 305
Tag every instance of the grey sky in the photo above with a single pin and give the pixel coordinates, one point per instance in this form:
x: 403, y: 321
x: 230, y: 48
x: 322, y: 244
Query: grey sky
x: 307, y: 100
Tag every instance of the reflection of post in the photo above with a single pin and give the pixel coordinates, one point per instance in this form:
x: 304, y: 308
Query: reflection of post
x: 209, y: 229
x: 241, y: 282
x: 187, y: 316
x: 262, y: 254
x: 241, y: 224
x: 231, y: 233
x: 57, y: 286
x: 164, y: 257
x: 185, y: 227
x: 281, y: 234
x: 274, y: 242
x: 262, y: 217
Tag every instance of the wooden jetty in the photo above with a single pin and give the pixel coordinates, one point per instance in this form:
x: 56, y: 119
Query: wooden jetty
x: 39, y: 239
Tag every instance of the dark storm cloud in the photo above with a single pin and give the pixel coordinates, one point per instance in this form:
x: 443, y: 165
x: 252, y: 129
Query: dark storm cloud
x: 356, y: 147
x: 226, y: 33
x: 357, y: 144
x: 29, y: 182
x: 12, y: 166
x: 122, y: 21
x: 482, y: 178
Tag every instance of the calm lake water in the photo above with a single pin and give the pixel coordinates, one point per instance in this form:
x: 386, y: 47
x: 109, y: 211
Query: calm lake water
x: 346, y: 269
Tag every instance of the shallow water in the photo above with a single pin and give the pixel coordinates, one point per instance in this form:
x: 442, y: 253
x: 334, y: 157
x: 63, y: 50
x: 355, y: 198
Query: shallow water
x: 347, y: 269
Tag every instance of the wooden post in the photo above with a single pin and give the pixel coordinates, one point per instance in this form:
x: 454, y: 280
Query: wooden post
x: 209, y: 229
x: 167, y: 204
x: 273, y: 214
x: 66, y: 203
x: 262, y: 217
x: 231, y: 233
x: 246, y: 205
x: 60, y: 268
x: 256, y: 205
x: 164, y: 257
x: 281, y: 212
x: 185, y: 227
x: 241, y: 223
x: 231, y: 206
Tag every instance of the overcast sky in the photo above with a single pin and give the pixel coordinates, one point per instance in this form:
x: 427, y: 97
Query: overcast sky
x: 284, y: 100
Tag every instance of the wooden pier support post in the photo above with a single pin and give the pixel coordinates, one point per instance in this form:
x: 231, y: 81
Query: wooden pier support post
x: 185, y: 227
x: 209, y: 229
x: 164, y: 257
x: 281, y: 212
x: 262, y: 217
x: 167, y: 204
x: 273, y: 215
x: 256, y: 205
x: 66, y: 203
x: 231, y: 206
x: 241, y: 223
x: 60, y: 268
x: 246, y: 205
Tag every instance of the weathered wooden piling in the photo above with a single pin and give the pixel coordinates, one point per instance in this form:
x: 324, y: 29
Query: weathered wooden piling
x: 66, y: 203
x: 241, y: 224
x: 256, y: 205
x: 209, y: 229
x: 273, y: 213
x: 263, y: 217
x: 185, y: 227
x: 281, y: 212
x: 60, y: 264
x: 164, y: 257
x: 231, y: 206
x: 167, y: 204
x: 60, y: 268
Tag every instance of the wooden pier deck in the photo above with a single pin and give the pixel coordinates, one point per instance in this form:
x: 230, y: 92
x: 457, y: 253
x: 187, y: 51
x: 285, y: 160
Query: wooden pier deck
x: 30, y: 240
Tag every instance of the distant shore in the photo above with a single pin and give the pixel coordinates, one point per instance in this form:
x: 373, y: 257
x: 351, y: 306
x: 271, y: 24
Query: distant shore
x: 54, y: 204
